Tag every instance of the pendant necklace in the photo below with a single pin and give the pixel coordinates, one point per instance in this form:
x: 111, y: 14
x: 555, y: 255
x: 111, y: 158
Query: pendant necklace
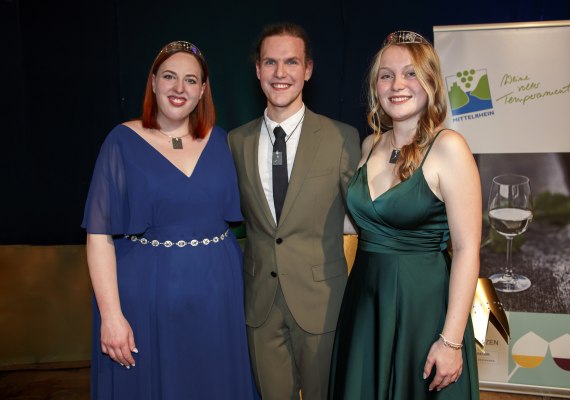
x: 175, y: 140
x: 276, y: 157
x: 395, y: 153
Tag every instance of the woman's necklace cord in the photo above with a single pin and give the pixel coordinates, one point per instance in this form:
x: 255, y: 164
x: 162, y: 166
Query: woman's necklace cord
x: 175, y: 140
x: 395, y: 152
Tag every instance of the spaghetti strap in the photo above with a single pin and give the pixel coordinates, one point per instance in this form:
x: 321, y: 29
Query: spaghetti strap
x: 372, y: 149
x: 429, y: 148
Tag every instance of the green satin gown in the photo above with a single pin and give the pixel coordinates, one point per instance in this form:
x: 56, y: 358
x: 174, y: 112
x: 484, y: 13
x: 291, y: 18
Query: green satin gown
x: 396, y: 298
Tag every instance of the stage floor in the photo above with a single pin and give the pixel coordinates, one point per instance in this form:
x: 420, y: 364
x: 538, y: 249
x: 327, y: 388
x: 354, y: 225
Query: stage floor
x: 73, y: 384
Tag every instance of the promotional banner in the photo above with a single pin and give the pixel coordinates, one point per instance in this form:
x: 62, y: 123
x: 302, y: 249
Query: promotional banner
x: 508, y: 92
x: 508, y: 85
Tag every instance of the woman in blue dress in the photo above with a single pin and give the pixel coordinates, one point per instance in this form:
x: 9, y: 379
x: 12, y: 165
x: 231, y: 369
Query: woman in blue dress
x: 168, y: 320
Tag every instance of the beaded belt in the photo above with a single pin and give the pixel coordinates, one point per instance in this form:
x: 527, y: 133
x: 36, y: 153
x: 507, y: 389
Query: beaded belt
x: 180, y: 243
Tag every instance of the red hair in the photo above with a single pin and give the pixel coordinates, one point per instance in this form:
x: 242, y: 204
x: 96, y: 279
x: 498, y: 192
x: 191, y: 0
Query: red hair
x: 203, y: 117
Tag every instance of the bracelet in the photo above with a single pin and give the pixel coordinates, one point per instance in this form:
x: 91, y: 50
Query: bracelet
x: 451, y: 345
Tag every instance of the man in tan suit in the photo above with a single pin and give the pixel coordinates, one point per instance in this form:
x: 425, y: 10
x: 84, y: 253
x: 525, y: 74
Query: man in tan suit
x: 295, y: 268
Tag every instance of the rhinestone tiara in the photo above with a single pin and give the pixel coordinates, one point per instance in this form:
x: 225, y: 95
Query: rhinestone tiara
x: 181, y: 45
x: 400, y: 37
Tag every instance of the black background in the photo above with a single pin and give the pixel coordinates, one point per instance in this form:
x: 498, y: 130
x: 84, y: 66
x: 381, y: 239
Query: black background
x: 74, y: 69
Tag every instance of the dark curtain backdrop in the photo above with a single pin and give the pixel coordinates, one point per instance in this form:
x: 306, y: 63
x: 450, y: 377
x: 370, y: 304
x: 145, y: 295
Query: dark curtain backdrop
x: 72, y: 70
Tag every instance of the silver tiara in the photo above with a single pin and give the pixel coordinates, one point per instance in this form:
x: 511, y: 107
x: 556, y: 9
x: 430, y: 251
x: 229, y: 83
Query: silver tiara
x: 400, y: 37
x: 181, y: 45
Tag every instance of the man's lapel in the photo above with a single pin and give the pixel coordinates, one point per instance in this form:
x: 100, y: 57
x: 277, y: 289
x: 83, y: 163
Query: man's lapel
x: 251, y: 150
x: 308, y: 146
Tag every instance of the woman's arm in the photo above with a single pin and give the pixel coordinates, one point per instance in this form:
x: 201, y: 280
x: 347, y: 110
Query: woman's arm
x: 117, y: 338
x: 460, y: 189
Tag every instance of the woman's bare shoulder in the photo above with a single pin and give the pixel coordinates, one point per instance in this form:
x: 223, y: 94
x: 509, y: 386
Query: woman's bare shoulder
x: 450, y: 143
x: 368, y: 143
x: 135, y: 125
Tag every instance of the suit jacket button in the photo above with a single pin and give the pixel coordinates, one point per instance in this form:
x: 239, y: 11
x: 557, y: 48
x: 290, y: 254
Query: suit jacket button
x: 278, y: 240
x: 273, y: 274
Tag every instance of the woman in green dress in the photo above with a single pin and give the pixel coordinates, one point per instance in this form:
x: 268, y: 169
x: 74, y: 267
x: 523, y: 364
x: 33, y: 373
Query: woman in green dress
x: 404, y: 330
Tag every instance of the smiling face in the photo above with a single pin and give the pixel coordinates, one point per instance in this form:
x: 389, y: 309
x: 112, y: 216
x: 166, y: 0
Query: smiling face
x: 282, y: 70
x: 178, y: 88
x: 400, y: 93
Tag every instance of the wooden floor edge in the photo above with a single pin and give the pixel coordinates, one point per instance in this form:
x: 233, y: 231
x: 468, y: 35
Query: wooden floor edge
x: 46, y: 366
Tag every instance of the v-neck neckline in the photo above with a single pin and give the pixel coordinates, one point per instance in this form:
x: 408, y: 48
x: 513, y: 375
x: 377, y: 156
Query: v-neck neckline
x: 365, y: 166
x: 420, y: 169
x: 167, y: 159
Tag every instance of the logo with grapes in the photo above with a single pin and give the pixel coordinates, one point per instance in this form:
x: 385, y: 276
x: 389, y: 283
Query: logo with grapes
x: 468, y: 91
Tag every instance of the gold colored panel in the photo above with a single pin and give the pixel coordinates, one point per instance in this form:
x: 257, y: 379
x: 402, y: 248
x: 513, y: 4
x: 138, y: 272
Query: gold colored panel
x: 45, y: 305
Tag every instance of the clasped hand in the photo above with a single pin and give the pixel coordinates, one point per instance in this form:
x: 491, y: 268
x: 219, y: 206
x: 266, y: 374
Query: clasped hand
x: 448, y: 364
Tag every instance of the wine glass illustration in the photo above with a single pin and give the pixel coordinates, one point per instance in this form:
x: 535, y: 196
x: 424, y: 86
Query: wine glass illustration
x: 560, y: 351
x: 510, y: 212
x: 528, y: 352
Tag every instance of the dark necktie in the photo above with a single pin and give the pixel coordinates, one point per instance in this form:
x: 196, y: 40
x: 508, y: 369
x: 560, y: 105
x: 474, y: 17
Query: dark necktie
x: 280, y: 178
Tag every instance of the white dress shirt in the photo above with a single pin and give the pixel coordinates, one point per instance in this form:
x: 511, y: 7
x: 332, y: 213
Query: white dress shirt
x: 292, y: 127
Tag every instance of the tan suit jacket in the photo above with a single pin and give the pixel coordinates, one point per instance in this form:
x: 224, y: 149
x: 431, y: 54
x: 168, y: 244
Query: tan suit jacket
x: 305, y: 252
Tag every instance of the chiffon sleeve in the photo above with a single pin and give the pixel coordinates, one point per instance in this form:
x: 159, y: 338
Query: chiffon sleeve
x: 232, y: 209
x: 107, y: 207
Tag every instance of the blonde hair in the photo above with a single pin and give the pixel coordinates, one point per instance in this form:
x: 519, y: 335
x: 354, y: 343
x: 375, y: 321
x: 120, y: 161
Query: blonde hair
x: 428, y: 72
